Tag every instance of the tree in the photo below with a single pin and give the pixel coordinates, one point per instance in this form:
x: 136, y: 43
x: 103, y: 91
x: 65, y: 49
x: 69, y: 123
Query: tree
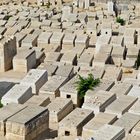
x: 85, y: 84
x: 120, y: 20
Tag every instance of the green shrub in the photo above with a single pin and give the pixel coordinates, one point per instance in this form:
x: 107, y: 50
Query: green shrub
x: 85, y: 84
x: 120, y: 20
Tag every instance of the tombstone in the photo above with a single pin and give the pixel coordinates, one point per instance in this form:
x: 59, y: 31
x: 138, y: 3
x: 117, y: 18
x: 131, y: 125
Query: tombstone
x: 72, y: 125
x: 82, y: 40
x: 66, y: 10
x: 82, y: 17
x: 69, y: 91
x: 117, y: 41
x: 51, y: 69
x: 100, y: 59
x: 109, y: 132
x: 96, y: 71
x: 102, y: 40
x: 106, y: 29
x: 7, y: 52
x: 81, y: 4
x: 121, y: 89
x: 5, y: 87
x: 7, y: 112
x: 99, y: 101
x: 135, y: 131
x: 87, y: 4
x: 52, y: 86
x: 129, y: 36
x: 57, y: 38
x: 44, y: 39
x: 2, y: 30
x: 19, y: 38
x: 96, y: 123
x: 121, y: 105
x: 68, y: 42
x: 24, y: 60
x: 65, y: 71
x: 118, y: 52
x: 134, y: 92
x: 10, y: 24
x: 52, y: 57
x: 18, y: 94
x: 59, y: 3
x: 131, y: 137
x: 35, y: 116
x: 135, y: 108
x: 113, y: 73
x: 86, y: 59
x: 110, y: 7
x: 39, y: 100
x: 36, y: 79
x: 127, y: 121
x: 58, y: 110
x: 132, y: 52
x: 29, y: 41
x: 105, y: 85
x: 69, y: 58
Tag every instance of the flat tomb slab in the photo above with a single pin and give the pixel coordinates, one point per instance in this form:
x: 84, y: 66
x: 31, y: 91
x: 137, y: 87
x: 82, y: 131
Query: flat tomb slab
x: 35, y: 116
x: 17, y: 94
x: 109, y: 132
x: 97, y: 122
x: 36, y: 79
x: 127, y: 121
x: 59, y: 108
x: 72, y: 125
x: 121, y: 105
x: 99, y: 101
x: 7, y: 112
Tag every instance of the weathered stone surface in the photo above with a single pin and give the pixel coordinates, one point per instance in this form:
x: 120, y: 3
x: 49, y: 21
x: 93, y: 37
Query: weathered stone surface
x: 109, y: 132
x: 127, y: 121
x: 44, y: 39
x: 72, y: 125
x: 99, y: 101
x: 40, y: 100
x: 51, y: 87
x: 7, y: 112
x: 36, y: 79
x: 121, y: 105
x: 134, y: 92
x: 5, y: 87
x: 69, y: 91
x: 58, y: 110
x: 24, y: 60
x: 97, y: 122
x: 17, y: 94
x: 121, y: 89
x: 131, y: 137
x: 19, y: 125
x: 135, y: 108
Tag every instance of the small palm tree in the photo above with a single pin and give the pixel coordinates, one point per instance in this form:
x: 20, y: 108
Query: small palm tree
x: 85, y: 84
x: 120, y: 20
